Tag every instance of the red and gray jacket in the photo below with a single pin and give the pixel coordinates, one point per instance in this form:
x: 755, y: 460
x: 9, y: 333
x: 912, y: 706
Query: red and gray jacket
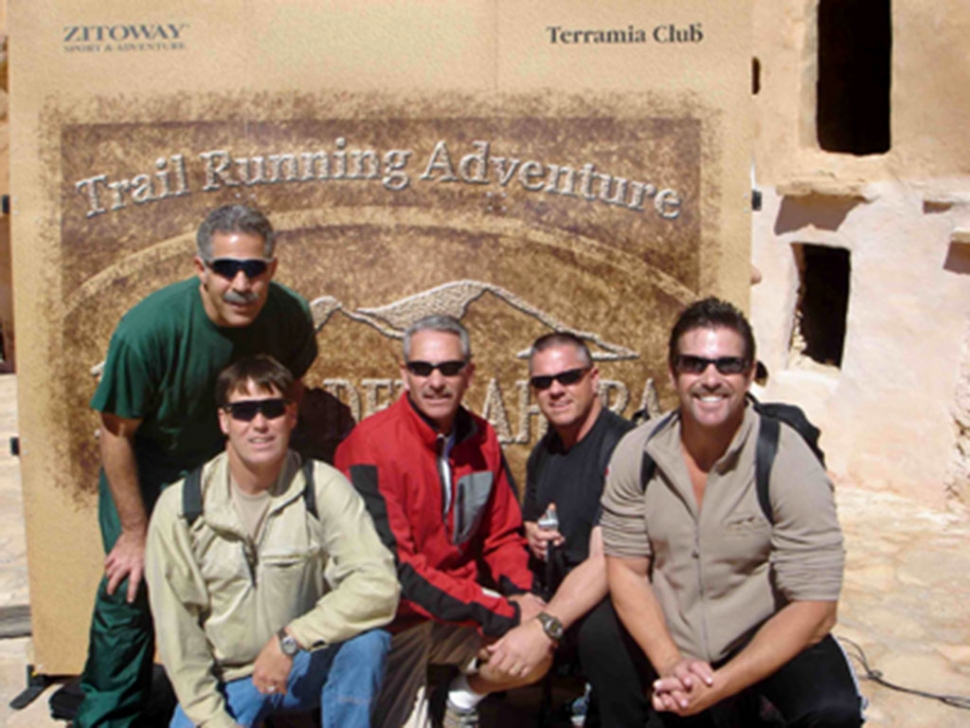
x: 440, y: 536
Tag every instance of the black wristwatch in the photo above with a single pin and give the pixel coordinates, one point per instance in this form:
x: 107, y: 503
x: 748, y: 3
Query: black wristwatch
x: 288, y: 644
x: 552, y: 626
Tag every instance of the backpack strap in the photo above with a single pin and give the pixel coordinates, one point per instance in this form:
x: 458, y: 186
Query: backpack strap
x: 192, y: 496
x: 765, y: 453
x: 192, y: 493
x: 764, y: 458
x: 309, y: 490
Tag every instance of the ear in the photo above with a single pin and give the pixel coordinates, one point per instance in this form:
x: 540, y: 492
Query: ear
x: 673, y: 376
x: 594, y: 376
x: 272, y: 268
x: 469, y: 372
x: 224, y: 421
x: 404, y: 377
x: 200, y: 269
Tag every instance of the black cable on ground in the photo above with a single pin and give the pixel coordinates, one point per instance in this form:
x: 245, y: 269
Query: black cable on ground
x: 854, y: 650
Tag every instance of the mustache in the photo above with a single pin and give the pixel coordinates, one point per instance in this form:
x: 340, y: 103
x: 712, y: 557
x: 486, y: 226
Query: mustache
x: 240, y: 298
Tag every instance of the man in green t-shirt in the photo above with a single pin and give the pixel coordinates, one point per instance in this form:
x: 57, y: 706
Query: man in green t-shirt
x: 158, y: 422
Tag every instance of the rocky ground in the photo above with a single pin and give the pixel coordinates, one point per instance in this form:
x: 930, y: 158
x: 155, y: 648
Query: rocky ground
x: 906, y: 602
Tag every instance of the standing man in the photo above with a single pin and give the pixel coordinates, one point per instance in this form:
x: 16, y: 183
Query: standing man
x: 728, y: 605
x: 565, y: 473
x: 435, y: 481
x: 158, y: 421
x: 281, y: 623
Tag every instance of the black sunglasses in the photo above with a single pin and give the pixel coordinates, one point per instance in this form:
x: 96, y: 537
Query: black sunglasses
x: 246, y: 410
x: 690, y: 364
x: 424, y: 368
x: 570, y: 376
x: 229, y: 267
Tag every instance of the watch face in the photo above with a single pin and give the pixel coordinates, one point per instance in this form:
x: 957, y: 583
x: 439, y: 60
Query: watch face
x: 551, y: 625
x: 289, y: 646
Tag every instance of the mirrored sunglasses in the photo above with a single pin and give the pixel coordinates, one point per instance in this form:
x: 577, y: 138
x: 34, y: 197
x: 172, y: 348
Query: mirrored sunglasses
x: 424, y: 368
x: 247, y: 409
x: 690, y: 364
x: 570, y: 376
x: 229, y: 267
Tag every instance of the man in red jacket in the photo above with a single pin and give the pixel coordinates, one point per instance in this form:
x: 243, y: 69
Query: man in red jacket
x: 436, y: 483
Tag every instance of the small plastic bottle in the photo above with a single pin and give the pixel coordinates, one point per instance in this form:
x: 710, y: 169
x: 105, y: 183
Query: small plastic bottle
x: 579, y: 707
x: 549, y: 521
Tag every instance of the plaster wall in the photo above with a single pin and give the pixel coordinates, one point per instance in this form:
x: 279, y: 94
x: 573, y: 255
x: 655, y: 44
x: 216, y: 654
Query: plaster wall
x: 889, y: 414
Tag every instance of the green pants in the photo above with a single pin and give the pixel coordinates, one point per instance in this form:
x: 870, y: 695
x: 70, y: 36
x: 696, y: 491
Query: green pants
x: 118, y: 672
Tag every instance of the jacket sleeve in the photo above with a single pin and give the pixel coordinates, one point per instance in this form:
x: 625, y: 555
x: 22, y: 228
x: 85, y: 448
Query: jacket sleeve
x: 364, y: 588
x: 505, y: 549
x: 178, y: 596
x: 425, y: 590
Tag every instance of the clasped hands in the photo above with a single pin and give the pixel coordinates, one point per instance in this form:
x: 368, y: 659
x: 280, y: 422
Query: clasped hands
x: 686, y: 687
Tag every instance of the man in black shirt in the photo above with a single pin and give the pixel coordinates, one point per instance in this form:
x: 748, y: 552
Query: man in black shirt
x: 565, y: 476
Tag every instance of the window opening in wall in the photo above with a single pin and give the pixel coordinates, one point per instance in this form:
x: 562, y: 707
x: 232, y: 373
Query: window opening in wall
x: 755, y: 76
x: 823, y: 302
x: 854, y: 74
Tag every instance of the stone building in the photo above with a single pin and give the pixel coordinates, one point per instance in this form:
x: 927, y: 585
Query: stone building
x: 862, y: 239
x: 860, y: 236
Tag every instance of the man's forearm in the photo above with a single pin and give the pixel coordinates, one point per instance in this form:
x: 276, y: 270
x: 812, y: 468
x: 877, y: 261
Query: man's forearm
x: 121, y: 471
x: 582, y: 589
x: 640, y: 612
x: 794, y: 628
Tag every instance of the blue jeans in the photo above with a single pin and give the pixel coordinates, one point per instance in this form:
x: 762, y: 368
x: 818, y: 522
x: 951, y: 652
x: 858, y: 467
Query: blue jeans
x: 342, y: 680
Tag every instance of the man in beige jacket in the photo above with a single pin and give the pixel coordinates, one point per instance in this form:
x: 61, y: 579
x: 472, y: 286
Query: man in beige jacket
x: 731, y: 602
x: 266, y: 577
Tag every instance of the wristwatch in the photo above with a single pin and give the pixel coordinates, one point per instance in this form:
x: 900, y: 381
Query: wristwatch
x: 288, y: 643
x: 552, y: 626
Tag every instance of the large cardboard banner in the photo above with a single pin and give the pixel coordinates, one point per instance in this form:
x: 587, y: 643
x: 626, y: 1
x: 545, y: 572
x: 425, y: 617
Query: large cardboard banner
x: 523, y: 166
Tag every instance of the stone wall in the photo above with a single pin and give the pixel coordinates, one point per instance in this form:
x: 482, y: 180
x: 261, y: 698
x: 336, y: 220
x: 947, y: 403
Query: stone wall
x: 889, y: 406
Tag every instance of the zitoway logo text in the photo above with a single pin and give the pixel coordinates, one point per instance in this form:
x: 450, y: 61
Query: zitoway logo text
x: 121, y: 37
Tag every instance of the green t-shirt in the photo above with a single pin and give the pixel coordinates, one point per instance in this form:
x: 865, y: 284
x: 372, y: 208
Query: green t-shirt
x: 162, y: 366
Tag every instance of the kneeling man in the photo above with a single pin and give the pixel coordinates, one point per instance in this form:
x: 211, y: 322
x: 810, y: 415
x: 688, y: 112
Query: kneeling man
x: 265, y: 576
x: 729, y: 603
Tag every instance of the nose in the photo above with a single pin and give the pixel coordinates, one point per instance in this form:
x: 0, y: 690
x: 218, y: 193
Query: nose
x: 556, y: 388
x: 710, y: 375
x: 436, y: 379
x: 259, y: 421
x: 240, y: 282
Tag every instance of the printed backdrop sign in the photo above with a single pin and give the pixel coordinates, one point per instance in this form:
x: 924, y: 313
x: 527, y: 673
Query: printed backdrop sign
x: 525, y: 167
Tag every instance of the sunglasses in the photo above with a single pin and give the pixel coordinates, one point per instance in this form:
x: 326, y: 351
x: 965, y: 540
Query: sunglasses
x: 247, y: 410
x: 690, y: 364
x: 229, y: 268
x: 570, y: 376
x: 424, y: 368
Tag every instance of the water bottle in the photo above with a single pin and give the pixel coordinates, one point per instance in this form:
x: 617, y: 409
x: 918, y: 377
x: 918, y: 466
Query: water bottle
x: 580, y: 707
x: 549, y: 521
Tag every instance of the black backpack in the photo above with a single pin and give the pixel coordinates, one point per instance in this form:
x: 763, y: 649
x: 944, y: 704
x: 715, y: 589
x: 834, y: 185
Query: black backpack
x: 773, y: 415
x: 192, y: 493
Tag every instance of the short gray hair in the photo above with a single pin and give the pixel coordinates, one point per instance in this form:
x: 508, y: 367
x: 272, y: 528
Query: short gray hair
x: 439, y: 322
x: 235, y: 219
x: 557, y: 339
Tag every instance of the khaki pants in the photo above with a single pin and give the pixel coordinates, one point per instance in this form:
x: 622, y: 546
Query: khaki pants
x: 404, y: 700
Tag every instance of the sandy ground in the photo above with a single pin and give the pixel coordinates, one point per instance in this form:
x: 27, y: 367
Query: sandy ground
x: 906, y: 601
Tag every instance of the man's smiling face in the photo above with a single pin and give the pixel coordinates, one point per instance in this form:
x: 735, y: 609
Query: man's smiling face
x: 711, y: 398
